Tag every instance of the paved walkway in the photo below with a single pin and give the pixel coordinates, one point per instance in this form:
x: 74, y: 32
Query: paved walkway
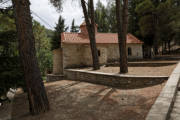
x: 175, y: 114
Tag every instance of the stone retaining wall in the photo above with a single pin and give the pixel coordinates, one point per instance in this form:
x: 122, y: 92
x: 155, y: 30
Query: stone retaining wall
x: 114, y: 80
x: 52, y: 77
x: 162, y: 107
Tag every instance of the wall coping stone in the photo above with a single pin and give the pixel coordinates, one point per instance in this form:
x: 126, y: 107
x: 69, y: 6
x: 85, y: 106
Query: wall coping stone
x: 163, y: 105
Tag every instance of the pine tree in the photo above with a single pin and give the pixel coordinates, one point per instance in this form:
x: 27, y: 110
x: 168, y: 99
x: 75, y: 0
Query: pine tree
x: 133, y: 26
x: 101, y: 17
x: 60, y: 28
x: 90, y: 25
x: 74, y: 28
x: 158, y: 22
x: 38, y: 100
x: 111, y: 10
x: 122, y: 22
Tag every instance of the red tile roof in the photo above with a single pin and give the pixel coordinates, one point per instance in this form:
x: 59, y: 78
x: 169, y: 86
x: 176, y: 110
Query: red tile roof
x: 101, y: 38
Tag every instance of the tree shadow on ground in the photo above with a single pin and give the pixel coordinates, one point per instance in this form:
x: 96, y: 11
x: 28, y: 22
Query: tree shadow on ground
x: 84, y: 101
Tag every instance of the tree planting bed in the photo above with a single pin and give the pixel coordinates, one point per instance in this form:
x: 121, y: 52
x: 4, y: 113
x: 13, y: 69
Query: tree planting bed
x: 137, y: 77
x: 163, y: 70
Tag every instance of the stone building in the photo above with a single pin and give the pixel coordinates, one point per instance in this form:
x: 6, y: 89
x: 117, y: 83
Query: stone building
x: 75, y: 49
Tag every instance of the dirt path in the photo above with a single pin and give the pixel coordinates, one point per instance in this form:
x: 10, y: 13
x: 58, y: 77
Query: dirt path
x: 72, y: 100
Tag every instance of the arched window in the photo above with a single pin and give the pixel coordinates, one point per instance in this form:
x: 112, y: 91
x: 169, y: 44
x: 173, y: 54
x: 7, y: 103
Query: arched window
x: 129, y: 51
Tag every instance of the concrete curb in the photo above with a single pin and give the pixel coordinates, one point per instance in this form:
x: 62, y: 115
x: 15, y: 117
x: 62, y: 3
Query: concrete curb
x: 163, y: 105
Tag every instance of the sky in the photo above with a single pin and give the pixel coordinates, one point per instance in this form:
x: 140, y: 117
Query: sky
x: 48, y: 13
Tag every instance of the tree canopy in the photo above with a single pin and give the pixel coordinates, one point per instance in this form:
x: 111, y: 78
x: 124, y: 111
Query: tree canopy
x: 43, y: 47
x: 158, y: 21
x: 60, y: 28
x: 9, y: 55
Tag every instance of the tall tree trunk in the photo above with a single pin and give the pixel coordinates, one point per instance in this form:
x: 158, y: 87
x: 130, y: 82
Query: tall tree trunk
x: 162, y: 48
x: 169, y: 46
x: 38, y: 101
x: 90, y: 25
x: 122, y: 21
x: 165, y: 47
x: 155, y: 49
x: 156, y: 36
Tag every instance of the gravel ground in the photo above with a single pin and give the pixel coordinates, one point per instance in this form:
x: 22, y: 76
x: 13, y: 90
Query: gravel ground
x: 143, y: 71
x: 73, y: 100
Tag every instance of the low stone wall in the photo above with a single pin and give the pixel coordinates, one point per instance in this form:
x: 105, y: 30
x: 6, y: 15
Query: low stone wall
x: 162, y: 107
x: 114, y: 80
x: 52, y: 77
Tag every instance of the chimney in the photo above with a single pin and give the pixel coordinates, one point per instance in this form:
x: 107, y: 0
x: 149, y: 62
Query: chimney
x: 84, y: 29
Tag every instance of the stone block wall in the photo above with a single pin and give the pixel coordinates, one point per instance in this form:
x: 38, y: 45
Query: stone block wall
x: 52, y: 77
x: 79, y: 55
x: 88, y: 57
x: 57, y: 61
x: 72, y: 55
x: 114, y: 80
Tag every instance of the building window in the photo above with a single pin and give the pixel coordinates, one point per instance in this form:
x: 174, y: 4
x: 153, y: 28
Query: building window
x: 99, y: 53
x: 129, y: 51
